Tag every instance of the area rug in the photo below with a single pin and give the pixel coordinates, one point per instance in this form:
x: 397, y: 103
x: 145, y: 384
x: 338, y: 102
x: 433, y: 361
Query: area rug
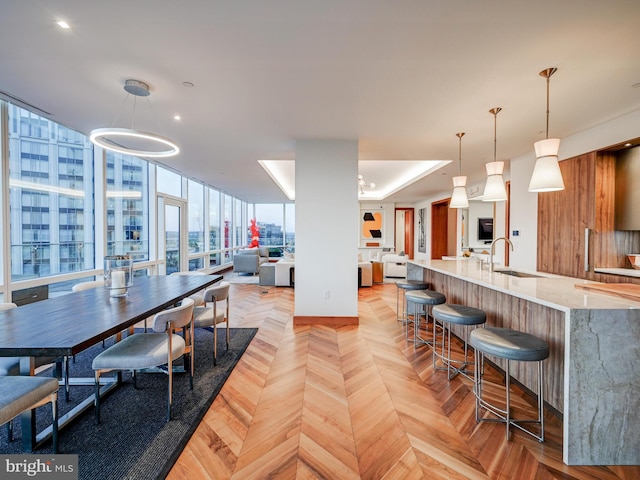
x: 134, y: 440
x: 242, y: 278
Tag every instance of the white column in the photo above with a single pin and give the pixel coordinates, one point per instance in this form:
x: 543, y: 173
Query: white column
x: 327, y: 223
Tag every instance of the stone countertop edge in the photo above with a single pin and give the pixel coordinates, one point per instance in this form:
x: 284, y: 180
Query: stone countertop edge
x: 553, y: 291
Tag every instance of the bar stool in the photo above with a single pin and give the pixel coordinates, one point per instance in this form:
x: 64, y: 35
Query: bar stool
x: 402, y: 288
x: 509, y: 345
x: 422, y: 301
x: 447, y: 314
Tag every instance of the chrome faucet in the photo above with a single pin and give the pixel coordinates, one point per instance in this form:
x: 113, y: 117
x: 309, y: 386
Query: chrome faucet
x: 493, y: 250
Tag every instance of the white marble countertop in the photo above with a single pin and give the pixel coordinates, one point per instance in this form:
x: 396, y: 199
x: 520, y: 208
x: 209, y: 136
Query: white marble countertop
x: 551, y: 290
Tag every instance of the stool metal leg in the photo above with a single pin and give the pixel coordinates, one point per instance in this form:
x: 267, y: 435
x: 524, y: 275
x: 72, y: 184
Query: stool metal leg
x: 507, y: 382
x: 505, y: 415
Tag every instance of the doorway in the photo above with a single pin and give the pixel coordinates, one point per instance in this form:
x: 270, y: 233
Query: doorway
x: 172, y: 235
x: 404, y: 230
x: 443, y: 221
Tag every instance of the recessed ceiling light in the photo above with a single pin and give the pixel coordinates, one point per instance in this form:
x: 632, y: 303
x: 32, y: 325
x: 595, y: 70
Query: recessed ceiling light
x: 628, y: 144
x: 63, y: 24
x: 177, y: 117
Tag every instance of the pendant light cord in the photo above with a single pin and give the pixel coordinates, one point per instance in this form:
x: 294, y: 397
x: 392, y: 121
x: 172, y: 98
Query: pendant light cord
x: 546, y: 73
x: 495, y: 112
x: 460, y: 135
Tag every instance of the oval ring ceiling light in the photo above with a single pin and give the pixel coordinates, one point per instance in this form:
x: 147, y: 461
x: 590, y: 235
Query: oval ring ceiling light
x: 134, y: 142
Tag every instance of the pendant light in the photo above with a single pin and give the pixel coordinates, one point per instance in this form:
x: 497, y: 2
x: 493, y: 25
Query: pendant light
x: 546, y: 175
x: 494, y: 190
x: 130, y: 141
x: 459, y: 196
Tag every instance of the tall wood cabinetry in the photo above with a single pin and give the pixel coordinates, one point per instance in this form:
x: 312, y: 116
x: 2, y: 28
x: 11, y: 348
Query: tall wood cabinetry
x: 576, y: 225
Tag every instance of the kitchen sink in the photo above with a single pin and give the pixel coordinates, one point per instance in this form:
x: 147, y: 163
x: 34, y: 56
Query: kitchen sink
x: 515, y: 273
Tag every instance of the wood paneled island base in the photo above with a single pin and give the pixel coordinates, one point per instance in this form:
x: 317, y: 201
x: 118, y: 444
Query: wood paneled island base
x: 594, y: 340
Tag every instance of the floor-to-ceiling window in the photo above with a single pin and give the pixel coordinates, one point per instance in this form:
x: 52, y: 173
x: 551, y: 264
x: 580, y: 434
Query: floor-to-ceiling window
x: 64, y: 209
x: 51, y: 197
x: 196, y: 224
x: 127, y: 230
x: 214, y: 228
x: 227, y: 209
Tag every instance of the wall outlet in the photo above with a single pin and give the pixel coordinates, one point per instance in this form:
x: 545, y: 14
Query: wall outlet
x: 326, y: 295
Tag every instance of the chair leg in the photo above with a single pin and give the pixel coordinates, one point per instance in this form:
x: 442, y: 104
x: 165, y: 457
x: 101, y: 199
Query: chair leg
x: 67, y: 392
x: 227, y: 334
x: 170, y: 392
x: 54, y: 409
x: 215, y: 345
x: 96, y: 400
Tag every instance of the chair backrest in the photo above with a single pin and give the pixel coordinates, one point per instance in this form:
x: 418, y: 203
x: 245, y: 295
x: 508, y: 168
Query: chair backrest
x: 78, y: 287
x: 7, y: 306
x: 178, y: 317
x: 218, y: 293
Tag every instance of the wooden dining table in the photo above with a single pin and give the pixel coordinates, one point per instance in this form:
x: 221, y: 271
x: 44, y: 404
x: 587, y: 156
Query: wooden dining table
x: 66, y: 325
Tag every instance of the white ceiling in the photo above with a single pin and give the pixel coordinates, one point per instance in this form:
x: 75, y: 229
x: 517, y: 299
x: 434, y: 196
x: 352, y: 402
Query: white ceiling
x: 401, y: 76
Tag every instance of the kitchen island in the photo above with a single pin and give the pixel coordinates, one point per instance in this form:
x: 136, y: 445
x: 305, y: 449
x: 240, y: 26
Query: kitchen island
x: 592, y: 377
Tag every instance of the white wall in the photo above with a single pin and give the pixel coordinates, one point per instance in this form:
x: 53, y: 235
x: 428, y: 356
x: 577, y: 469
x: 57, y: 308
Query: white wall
x: 326, y: 279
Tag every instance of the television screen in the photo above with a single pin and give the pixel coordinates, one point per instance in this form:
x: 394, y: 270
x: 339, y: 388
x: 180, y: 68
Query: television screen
x: 485, y: 228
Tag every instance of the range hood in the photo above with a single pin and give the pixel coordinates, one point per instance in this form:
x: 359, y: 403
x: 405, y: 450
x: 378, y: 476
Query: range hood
x: 627, y: 206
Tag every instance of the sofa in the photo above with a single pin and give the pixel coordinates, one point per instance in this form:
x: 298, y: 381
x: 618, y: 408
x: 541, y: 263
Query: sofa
x: 248, y: 260
x: 394, y: 265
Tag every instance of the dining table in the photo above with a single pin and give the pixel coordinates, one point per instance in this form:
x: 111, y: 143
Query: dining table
x: 63, y: 326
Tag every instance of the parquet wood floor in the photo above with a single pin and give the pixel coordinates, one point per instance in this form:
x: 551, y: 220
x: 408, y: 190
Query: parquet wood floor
x: 356, y: 402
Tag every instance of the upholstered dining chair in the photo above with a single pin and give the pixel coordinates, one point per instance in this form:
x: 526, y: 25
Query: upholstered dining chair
x: 21, y: 393
x: 198, y: 296
x: 153, y: 349
x: 78, y: 287
x: 215, y: 311
x: 10, y: 366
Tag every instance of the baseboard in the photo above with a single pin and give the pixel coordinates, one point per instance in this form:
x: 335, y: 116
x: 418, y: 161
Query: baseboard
x: 328, y: 321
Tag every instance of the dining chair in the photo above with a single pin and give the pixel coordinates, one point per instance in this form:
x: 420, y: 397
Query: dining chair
x: 198, y: 296
x: 79, y: 287
x: 10, y: 366
x: 21, y: 393
x: 214, y: 312
x: 143, y: 351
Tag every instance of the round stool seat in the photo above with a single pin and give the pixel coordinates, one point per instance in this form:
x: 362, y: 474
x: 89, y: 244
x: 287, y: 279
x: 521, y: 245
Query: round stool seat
x: 459, y: 314
x: 509, y: 344
x: 425, y: 297
x: 412, y: 285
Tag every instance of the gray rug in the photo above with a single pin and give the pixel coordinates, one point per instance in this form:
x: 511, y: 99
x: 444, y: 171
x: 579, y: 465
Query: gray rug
x: 242, y: 278
x: 134, y: 440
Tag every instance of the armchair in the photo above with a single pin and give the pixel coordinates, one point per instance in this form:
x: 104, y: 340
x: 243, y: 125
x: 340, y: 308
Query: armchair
x: 250, y: 259
x: 394, y: 265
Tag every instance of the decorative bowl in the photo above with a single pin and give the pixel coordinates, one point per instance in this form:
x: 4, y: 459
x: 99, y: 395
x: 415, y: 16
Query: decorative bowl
x: 634, y: 258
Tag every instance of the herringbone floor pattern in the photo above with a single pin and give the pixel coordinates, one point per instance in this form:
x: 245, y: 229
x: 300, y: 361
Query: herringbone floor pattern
x: 355, y: 402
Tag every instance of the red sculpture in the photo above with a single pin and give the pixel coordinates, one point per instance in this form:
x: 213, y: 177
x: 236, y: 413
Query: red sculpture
x: 255, y: 233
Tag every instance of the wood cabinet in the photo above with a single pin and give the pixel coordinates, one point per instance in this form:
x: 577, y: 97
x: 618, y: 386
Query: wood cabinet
x: 587, y: 202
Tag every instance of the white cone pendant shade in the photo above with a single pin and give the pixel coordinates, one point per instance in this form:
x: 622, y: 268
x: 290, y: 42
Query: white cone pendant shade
x: 494, y: 190
x: 546, y: 175
x: 459, y: 196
